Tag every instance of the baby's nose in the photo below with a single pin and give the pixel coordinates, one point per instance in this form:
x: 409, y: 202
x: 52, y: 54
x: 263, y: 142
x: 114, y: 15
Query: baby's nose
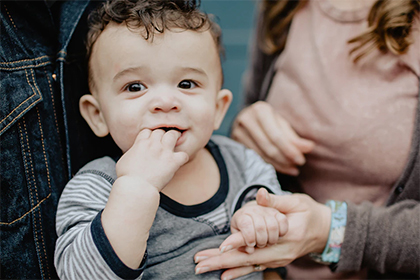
x: 165, y: 103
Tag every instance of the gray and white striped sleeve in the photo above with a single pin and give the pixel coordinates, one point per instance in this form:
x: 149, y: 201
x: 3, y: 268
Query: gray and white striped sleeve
x: 82, y: 249
x: 260, y: 173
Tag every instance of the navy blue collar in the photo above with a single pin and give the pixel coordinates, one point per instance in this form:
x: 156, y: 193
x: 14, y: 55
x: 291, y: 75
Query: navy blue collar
x: 191, y: 211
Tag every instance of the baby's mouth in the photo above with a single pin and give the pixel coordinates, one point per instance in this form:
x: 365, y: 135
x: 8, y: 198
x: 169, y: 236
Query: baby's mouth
x: 166, y: 129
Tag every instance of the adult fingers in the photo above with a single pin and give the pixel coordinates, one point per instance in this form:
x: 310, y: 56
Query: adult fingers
x: 206, y: 254
x: 236, y: 258
x: 281, y: 135
x: 283, y: 203
x: 254, y: 122
x: 241, y: 135
x: 241, y: 271
x: 304, y: 145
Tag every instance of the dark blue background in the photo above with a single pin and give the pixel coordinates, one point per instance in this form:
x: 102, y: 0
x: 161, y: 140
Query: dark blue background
x: 236, y: 18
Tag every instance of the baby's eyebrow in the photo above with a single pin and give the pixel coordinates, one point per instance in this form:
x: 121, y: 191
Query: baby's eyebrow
x: 127, y: 71
x: 193, y: 69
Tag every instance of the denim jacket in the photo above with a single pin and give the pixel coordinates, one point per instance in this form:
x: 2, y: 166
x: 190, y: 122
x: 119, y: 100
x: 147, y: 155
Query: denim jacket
x: 43, y: 138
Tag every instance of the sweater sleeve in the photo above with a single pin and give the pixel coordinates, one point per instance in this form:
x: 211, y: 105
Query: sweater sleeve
x: 82, y: 249
x: 384, y: 239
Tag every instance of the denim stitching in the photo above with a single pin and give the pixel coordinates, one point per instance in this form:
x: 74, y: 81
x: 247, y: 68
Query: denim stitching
x: 49, y: 187
x: 25, y: 66
x: 36, y: 189
x: 55, y: 113
x: 29, y: 182
x: 10, y: 17
x: 27, y: 79
x: 27, y: 213
x: 24, y: 60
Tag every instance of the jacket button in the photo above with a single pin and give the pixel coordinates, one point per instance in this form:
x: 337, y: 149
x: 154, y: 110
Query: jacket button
x: 399, y: 189
x: 54, y: 76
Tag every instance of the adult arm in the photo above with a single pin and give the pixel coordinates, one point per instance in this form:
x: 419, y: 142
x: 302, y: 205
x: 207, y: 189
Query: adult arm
x: 308, y: 226
x: 382, y: 238
x: 385, y: 239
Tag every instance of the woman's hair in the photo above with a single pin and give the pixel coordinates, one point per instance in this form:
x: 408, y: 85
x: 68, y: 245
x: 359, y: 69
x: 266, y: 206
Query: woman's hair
x: 390, y: 23
x: 153, y: 16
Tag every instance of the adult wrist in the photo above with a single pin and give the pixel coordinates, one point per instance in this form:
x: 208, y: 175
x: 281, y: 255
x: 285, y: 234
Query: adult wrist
x: 332, y: 251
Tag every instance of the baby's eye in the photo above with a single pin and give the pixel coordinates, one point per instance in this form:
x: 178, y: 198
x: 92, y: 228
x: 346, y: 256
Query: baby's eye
x: 187, y: 84
x: 133, y: 87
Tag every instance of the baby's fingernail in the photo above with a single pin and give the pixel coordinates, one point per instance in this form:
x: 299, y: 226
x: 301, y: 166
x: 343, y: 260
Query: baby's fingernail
x: 226, y: 248
x: 227, y: 277
x: 200, y: 258
x: 199, y: 270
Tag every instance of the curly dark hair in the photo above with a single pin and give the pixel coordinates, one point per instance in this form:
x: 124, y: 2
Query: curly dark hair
x: 154, y: 16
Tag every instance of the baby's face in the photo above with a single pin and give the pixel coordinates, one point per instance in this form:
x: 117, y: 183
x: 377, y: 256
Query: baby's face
x: 172, y: 81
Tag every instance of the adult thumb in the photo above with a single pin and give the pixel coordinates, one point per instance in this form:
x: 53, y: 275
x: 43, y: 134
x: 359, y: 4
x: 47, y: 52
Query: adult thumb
x: 283, y: 203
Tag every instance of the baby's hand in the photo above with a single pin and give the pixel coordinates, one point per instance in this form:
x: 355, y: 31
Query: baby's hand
x: 255, y: 225
x: 152, y: 157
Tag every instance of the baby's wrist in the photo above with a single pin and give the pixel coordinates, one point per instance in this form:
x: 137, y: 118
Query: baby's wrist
x: 135, y: 185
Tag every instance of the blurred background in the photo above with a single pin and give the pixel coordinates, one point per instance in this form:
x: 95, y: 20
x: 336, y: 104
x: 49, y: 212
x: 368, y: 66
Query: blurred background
x: 236, y: 18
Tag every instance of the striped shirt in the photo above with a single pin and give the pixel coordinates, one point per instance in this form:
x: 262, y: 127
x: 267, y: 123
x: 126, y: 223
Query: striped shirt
x: 178, y: 232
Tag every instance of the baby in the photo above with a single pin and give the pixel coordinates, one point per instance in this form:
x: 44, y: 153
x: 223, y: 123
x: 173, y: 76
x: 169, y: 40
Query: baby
x: 156, y: 81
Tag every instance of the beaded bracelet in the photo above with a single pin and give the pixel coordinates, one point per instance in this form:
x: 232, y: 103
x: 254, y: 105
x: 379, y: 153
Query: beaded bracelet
x: 332, y: 251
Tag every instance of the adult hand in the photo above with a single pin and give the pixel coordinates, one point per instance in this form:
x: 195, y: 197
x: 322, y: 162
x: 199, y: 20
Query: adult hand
x: 309, y: 224
x: 260, y: 128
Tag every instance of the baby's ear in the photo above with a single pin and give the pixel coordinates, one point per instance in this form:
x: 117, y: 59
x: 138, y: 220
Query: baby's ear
x: 91, y: 112
x: 223, y: 100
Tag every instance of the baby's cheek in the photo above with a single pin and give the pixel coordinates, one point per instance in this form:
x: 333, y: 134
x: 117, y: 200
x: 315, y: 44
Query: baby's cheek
x: 123, y: 138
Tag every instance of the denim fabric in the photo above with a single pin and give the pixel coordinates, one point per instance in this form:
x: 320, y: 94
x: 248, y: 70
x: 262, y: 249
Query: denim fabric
x: 43, y: 139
